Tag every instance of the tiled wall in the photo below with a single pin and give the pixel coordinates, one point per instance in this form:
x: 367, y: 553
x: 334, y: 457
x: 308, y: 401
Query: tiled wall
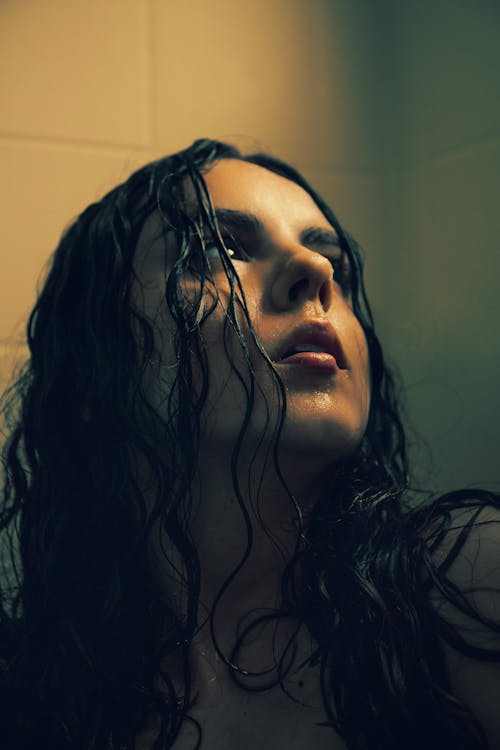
x: 390, y: 108
x: 443, y: 319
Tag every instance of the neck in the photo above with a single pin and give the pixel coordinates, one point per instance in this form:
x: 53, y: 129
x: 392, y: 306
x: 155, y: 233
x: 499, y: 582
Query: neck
x: 242, y: 560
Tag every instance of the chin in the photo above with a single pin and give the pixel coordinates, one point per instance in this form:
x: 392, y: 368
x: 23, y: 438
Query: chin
x: 335, y: 439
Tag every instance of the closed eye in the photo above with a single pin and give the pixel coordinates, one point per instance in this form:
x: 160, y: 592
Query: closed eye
x: 341, y: 272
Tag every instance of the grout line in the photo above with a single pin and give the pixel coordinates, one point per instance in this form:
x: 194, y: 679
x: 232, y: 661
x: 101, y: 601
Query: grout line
x: 125, y: 149
x: 13, y: 350
x: 151, y: 74
x: 468, y: 145
x: 407, y: 165
x: 64, y: 143
x: 442, y: 157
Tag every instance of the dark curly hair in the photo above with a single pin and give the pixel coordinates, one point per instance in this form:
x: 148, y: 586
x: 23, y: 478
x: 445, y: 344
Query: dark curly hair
x: 83, y: 629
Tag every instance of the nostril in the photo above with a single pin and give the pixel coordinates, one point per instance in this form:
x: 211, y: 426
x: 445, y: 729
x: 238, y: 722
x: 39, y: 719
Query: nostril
x: 323, y: 293
x: 297, y: 288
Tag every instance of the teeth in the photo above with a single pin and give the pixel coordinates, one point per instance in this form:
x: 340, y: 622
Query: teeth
x: 306, y: 348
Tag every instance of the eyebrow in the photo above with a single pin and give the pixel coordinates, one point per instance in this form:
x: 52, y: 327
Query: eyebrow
x: 312, y: 237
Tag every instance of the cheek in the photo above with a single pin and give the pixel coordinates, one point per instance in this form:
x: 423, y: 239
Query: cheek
x: 361, y: 367
x: 364, y: 359
x: 367, y: 382
x: 162, y: 373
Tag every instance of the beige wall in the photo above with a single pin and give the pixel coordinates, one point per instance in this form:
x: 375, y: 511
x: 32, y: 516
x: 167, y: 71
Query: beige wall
x: 390, y: 108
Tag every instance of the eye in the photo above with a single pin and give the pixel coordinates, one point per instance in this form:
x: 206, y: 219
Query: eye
x: 342, y: 274
x: 234, y: 249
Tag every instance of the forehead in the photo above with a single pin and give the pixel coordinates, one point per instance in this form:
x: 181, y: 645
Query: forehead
x: 275, y: 200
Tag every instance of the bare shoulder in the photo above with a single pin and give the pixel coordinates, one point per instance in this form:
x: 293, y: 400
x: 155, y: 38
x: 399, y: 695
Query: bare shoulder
x: 470, y: 556
x: 471, y: 553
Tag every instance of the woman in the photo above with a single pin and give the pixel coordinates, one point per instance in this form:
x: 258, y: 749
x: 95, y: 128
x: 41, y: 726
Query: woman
x: 206, y: 492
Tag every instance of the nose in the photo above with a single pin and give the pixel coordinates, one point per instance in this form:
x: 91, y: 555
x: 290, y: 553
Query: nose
x: 304, y: 275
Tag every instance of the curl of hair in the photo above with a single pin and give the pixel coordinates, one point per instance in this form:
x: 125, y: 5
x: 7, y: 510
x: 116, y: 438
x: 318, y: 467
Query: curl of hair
x: 83, y: 629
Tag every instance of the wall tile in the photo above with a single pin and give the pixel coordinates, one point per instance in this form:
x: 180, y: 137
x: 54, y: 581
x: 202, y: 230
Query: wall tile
x: 454, y: 230
x: 286, y: 76
x: 42, y: 189
x: 446, y: 337
x: 235, y: 71
x: 75, y: 70
x: 351, y: 90
x: 449, y: 73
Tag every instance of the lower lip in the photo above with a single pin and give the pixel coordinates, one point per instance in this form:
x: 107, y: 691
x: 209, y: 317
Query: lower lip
x: 320, y: 361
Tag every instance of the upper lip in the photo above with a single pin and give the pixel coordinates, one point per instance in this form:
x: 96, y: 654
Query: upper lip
x: 312, y: 332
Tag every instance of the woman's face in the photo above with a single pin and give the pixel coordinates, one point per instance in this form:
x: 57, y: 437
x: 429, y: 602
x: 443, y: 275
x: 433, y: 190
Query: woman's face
x: 286, y: 275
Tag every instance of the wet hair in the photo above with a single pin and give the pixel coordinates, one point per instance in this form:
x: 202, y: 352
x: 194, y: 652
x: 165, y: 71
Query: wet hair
x: 83, y: 628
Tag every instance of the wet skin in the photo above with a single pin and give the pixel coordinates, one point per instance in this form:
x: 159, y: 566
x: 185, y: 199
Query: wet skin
x: 285, y: 283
